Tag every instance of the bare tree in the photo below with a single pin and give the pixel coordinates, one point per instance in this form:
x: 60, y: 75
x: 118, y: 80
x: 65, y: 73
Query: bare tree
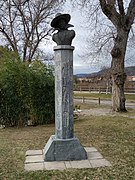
x: 25, y: 23
x: 121, y: 15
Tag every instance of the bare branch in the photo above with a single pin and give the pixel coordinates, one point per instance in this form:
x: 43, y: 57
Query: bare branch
x: 131, y: 9
x: 108, y: 8
x: 25, y: 23
x: 11, y: 21
x: 9, y: 40
x: 130, y: 13
x: 121, y: 7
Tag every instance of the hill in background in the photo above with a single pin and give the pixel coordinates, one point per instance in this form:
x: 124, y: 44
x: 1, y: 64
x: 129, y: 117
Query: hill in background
x: 130, y: 71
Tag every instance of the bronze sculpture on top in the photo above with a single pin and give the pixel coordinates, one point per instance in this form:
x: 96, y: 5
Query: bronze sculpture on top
x: 63, y: 146
x: 60, y: 23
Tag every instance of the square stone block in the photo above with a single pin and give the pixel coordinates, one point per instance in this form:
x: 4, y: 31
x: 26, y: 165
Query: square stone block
x: 80, y: 164
x: 34, y: 159
x: 99, y: 163
x: 34, y: 152
x: 55, y: 165
x: 94, y: 155
x: 34, y: 166
x: 90, y: 149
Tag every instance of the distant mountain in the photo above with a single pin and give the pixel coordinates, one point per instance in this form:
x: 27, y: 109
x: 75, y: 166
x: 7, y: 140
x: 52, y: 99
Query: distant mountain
x: 130, y: 71
x: 89, y: 75
x: 81, y: 75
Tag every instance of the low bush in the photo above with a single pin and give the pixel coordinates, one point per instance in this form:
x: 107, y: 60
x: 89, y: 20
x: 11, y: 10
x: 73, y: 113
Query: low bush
x: 26, y: 92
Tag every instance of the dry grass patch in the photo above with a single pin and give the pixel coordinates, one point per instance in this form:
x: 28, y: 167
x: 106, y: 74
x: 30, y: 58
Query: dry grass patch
x: 114, y: 137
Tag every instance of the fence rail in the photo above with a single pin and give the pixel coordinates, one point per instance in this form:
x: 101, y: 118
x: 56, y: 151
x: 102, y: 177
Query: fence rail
x: 102, y: 90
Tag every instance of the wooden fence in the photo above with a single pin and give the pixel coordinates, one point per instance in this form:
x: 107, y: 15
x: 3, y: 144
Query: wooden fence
x: 101, y: 90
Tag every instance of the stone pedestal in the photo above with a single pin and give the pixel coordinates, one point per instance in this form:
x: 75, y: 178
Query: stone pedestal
x: 63, y: 145
x: 64, y: 150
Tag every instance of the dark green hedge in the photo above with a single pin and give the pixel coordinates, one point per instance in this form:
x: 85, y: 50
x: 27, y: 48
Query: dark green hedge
x: 26, y: 93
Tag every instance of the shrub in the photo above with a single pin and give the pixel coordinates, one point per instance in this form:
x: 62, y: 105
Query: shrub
x: 27, y: 93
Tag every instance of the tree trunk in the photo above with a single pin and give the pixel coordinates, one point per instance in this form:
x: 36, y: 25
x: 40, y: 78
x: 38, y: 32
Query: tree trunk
x: 118, y: 96
x: 118, y: 73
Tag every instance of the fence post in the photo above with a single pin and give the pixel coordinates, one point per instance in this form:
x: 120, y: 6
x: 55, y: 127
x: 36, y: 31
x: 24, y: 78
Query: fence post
x: 83, y: 99
x: 99, y: 100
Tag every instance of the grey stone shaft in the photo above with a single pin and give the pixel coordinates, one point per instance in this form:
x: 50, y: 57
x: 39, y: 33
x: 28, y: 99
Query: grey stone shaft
x: 64, y: 91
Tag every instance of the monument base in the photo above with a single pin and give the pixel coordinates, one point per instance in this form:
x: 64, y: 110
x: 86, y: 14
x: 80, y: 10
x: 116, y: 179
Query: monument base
x: 64, y: 150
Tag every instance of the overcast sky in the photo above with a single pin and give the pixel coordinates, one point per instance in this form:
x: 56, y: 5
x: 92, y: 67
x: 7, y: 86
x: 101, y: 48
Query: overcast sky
x: 82, y: 65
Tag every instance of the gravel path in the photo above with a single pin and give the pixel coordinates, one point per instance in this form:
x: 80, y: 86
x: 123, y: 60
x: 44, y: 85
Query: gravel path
x: 103, y: 112
x: 96, y: 112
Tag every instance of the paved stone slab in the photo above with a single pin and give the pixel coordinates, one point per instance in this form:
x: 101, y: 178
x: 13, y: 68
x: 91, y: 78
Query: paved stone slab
x: 99, y: 163
x: 90, y: 149
x: 34, y: 159
x: 55, y: 165
x: 33, y: 152
x: 94, y: 155
x: 80, y: 164
x: 34, y: 166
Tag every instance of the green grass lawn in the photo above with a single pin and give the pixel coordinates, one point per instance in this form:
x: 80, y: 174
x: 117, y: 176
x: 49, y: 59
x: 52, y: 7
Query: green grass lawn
x: 129, y: 97
x: 114, y: 137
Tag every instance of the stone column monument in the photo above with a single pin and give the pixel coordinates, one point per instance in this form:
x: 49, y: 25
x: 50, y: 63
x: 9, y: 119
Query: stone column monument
x: 63, y: 145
